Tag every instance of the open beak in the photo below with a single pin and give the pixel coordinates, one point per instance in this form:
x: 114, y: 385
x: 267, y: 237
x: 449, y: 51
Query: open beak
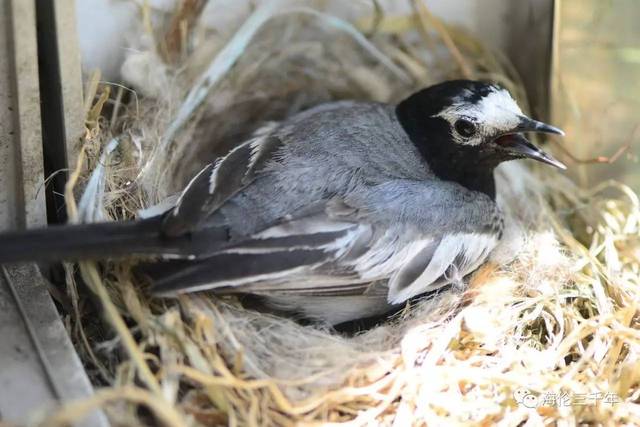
x: 516, y: 145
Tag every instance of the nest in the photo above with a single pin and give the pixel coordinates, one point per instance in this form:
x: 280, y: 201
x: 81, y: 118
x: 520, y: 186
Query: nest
x: 552, y: 317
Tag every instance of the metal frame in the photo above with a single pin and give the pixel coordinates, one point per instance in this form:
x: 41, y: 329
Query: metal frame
x: 38, y: 365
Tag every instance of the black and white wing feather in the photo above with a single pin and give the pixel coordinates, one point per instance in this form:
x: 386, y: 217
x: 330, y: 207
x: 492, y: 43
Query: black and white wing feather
x: 299, y: 254
x: 335, y: 250
x: 218, y: 182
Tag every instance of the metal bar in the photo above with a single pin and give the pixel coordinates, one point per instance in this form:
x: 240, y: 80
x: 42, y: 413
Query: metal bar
x: 33, y: 336
x: 21, y: 167
x: 39, y: 368
x: 61, y: 97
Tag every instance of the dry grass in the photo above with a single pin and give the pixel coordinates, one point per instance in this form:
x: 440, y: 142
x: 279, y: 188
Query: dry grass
x: 560, y: 319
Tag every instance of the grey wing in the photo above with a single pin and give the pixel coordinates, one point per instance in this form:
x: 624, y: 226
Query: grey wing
x: 437, y: 232
x: 340, y: 247
x: 305, y: 253
x: 218, y: 182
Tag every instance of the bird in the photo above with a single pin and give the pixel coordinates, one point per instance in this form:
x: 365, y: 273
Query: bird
x: 339, y: 212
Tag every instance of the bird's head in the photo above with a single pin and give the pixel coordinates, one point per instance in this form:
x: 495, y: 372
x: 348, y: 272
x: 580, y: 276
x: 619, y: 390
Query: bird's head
x: 470, y: 124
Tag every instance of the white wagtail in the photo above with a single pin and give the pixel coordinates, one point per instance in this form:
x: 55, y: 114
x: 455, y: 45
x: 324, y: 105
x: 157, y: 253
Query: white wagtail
x: 337, y: 213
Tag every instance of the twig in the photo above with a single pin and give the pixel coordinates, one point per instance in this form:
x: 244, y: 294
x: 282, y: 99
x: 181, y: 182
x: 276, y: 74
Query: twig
x: 176, y: 36
x: 90, y: 91
x: 92, y: 277
x: 602, y: 159
x: 378, y: 16
x: 598, y: 159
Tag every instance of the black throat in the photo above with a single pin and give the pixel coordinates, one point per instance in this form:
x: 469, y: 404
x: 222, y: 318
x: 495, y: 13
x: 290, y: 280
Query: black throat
x: 470, y: 166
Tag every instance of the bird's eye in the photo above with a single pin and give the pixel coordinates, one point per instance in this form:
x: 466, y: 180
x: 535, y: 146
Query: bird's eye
x: 465, y: 128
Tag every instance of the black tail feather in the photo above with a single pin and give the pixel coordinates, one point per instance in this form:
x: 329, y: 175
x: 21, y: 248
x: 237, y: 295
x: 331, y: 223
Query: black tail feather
x: 102, y: 241
x: 224, y: 271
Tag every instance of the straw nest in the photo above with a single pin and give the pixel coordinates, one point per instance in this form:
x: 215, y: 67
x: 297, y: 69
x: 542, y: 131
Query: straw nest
x: 546, y: 332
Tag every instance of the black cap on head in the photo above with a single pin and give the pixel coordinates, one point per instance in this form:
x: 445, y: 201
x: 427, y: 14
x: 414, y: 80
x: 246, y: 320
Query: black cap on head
x: 461, y: 128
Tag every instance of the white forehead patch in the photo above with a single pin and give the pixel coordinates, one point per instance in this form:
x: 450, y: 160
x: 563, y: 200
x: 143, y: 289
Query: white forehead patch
x: 495, y: 112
